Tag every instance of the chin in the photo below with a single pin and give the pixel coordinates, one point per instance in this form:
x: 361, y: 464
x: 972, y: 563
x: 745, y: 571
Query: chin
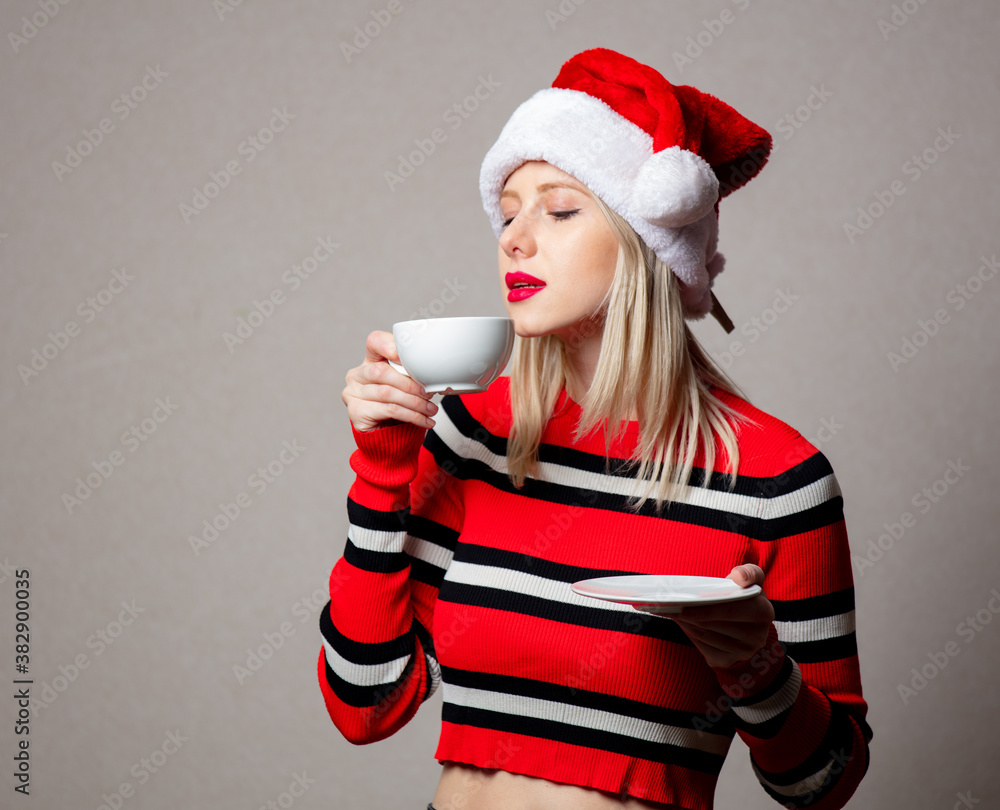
x: 527, y: 333
x: 529, y: 330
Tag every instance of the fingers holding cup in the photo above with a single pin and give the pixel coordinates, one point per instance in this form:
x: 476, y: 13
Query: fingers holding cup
x: 377, y: 394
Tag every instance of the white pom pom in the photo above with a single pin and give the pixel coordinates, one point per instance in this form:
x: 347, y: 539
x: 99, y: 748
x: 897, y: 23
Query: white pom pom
x: 674, y: 187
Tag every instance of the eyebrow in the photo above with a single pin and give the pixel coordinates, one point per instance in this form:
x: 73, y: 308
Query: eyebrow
x: 544, y: 187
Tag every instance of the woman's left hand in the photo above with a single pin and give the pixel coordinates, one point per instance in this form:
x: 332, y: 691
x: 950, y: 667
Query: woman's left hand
x: 730, y: 632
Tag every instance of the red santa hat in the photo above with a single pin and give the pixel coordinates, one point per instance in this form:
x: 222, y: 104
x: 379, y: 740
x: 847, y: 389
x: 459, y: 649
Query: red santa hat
x: 661, y: 155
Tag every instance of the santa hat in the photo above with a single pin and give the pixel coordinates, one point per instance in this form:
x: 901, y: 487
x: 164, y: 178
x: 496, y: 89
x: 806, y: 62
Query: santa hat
x: 660, y: 155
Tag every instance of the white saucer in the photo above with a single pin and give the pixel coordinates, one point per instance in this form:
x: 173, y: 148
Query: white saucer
x: 662, y: 594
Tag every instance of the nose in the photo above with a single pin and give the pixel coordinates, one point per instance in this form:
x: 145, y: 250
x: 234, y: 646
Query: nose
x: 517, y: 237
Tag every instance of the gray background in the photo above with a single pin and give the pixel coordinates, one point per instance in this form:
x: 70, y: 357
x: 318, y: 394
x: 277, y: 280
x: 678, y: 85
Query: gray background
x: 822, y: 365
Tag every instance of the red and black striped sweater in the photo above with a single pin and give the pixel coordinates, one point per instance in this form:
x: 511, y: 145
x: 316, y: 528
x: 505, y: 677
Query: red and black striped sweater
x: 452, y: 576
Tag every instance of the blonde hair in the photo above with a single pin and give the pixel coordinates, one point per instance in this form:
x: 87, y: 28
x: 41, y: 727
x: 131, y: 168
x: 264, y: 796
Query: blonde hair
x: 649, y: 363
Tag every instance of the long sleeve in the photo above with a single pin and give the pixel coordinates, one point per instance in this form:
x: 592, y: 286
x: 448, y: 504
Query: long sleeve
x: 798, y: 703
x: 405, y: 512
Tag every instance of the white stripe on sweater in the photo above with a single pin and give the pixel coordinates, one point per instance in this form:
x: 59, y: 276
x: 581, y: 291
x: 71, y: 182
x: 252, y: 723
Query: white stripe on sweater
x: 375, y: 540
x: 507, y: 579
x: 774, y: 705
x: 429, y: 552
x: 416, y: 547
x: 825, y: 627
x: 805, y: 497
x: 365, y: 674
x: 803, y: 786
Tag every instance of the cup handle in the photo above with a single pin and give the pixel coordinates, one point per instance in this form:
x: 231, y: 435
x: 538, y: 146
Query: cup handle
x: 398, y: 368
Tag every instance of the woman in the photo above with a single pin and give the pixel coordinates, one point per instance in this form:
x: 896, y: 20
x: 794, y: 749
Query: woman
x: 469, y: 522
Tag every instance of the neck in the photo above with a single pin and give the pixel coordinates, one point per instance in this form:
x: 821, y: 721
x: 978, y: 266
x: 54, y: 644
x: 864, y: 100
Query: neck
x: 582, y: 350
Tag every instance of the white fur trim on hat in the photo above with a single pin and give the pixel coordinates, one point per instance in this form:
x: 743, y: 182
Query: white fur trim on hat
x: 668, y: 197
x: 694, y: 188
x: 690, y: 251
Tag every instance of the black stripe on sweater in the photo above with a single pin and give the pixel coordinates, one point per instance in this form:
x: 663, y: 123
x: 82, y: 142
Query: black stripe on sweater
x: 684, y: 513
x: 809, y: 471
x: 687, y: 513
x: 635, y: 622
x: 812, y: 469
x: 379, y: 562
x: 366, y: 696
x: 375, y: 519
x: 470, y: 427
x: 823, y: 649
x: 427, y: 529
x: 817, y: 517
x: 815, y: 607
x: 721, y: 520
x: 426, y: 572
x: 359, y: 652
x: 583, y: 698
x: 585, y: 737
x: 530, y: 564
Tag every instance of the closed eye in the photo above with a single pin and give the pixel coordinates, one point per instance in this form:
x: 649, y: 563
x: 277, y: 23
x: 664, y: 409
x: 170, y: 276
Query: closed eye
x: 559, y: 215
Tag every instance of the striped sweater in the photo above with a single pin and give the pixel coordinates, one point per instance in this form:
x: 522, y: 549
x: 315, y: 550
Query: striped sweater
x: 451, y: 576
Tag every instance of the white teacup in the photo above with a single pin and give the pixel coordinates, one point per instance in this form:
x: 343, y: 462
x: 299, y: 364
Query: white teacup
x: 454, y: 355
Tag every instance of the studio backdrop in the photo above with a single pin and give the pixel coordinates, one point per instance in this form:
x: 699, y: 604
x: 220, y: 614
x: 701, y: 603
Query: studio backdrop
x: 207, y: 205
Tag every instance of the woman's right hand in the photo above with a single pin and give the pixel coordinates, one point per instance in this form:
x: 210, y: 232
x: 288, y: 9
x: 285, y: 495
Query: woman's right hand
x: 376, y: 394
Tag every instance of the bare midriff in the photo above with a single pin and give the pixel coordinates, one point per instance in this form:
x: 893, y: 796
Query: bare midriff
x: 463, y: 786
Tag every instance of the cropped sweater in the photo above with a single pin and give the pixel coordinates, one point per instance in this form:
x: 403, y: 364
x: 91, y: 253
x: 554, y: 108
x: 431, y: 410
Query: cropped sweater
x: 451, y: 576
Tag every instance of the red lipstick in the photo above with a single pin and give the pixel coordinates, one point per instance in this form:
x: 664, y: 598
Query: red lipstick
x: 522, y: 285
